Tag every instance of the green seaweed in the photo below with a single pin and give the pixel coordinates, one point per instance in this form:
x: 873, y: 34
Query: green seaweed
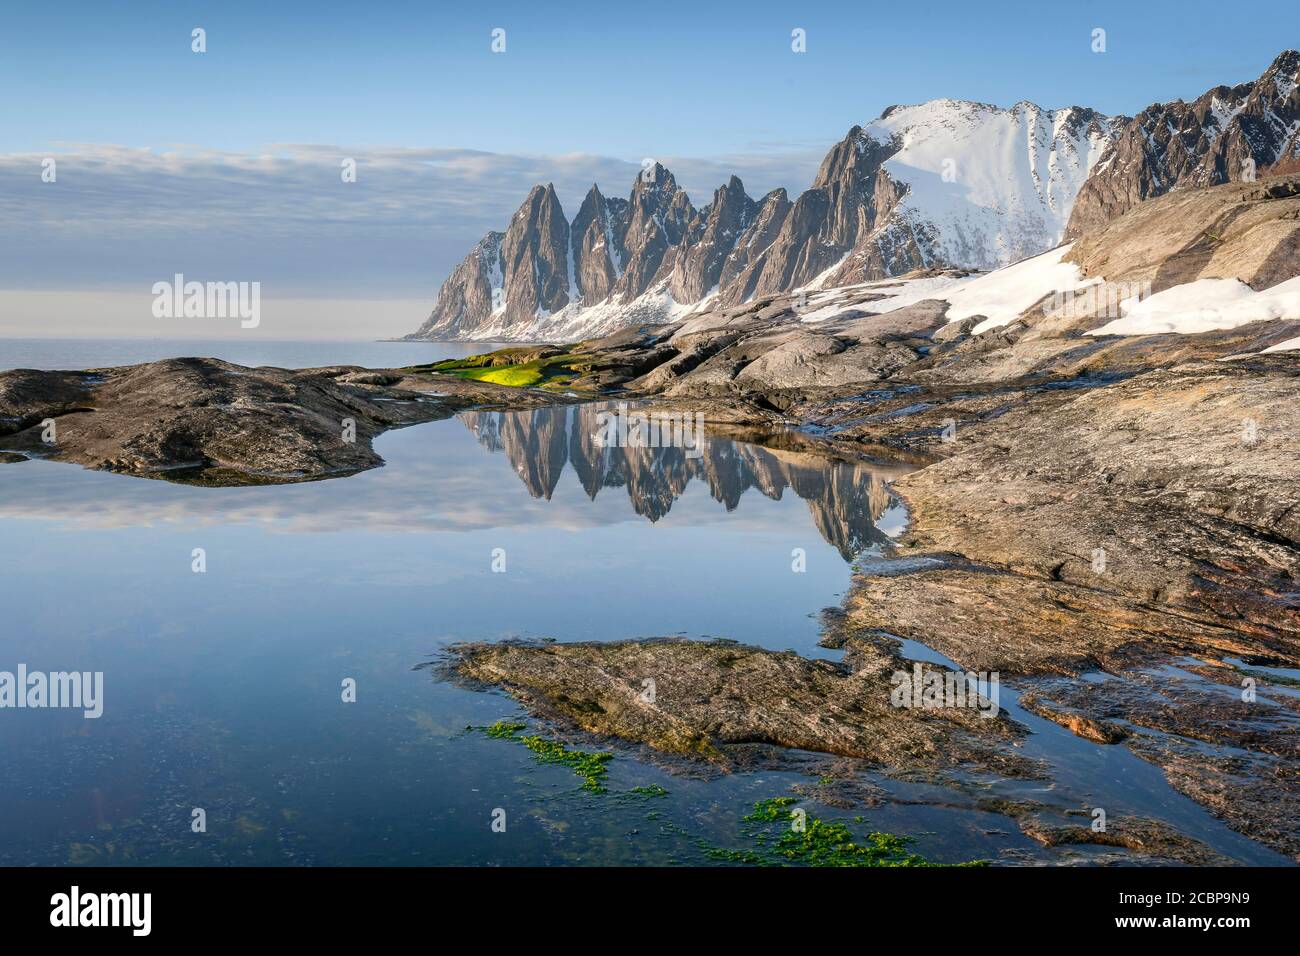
x: 773, y: 808
x: 653, y: 790
x: 588, y: 765
x: 503, y: 729
x: 817, y: 842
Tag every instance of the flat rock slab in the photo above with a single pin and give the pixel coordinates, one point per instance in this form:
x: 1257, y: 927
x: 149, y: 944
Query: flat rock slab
x: 712, y: 699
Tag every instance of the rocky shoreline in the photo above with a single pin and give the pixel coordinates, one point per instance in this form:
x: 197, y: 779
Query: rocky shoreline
x: 1112, y: 524
x: 207, y: 421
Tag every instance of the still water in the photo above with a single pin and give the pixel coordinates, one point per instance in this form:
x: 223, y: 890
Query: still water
x: 222, y: 689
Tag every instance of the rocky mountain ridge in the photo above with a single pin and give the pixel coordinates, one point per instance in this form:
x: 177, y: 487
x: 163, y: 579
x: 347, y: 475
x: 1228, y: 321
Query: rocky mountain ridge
x: 941, y: 185
x: 1227, y: 134
x: 944, y: 182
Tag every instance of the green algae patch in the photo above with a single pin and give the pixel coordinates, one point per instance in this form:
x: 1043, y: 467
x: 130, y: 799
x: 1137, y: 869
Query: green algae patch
x: 588, y: 765
x: 654, y: 790
x: 516, y: 368
x: 774, y: 808
x: 806, y: 840
x: 503, y: 730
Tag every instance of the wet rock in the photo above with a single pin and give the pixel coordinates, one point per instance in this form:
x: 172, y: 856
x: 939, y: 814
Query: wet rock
x: 712, y: 700
x: 1136, y: 514
x: 1238, y: 755
x: 1154, y: 840
x: 1089, y: 728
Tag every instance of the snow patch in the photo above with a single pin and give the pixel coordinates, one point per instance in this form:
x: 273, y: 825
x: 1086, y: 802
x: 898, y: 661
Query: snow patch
x: 1003, y: 295
x: 1289, y: 345
x: 1206, y: 305
x: 898, y: 293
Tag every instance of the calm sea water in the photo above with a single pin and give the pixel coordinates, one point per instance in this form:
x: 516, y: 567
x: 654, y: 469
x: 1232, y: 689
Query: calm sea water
x: 223, y: 689
x: 251, y: 351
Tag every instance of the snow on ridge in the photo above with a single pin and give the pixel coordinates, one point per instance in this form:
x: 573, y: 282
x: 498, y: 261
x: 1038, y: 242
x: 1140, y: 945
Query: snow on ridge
x: 998, y: 184
x: 575, y: 321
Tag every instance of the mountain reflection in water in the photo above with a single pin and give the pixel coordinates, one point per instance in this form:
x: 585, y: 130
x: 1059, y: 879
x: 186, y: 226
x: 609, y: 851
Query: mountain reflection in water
x: 847, y: 499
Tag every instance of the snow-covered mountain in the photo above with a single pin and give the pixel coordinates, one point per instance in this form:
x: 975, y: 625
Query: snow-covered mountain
x: 985, y: 186
x: 947, y: 183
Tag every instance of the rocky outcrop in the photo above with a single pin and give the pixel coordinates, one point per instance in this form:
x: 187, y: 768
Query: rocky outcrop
x: 823, y: 224
x: 471, y: 295
x: 699, y: 264
x: 1160, y: 457
x: 535, y: 259
x: 742, y: 268
x: 1246, y: 231
x: 659, y: 218
x: 934, y: 185
x: 510, y: 278
x: 720, y: 701
x: 211, y: 422
x: 1228, y: 134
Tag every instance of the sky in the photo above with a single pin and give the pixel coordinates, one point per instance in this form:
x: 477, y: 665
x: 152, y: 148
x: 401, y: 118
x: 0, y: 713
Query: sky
x: 225, y: 165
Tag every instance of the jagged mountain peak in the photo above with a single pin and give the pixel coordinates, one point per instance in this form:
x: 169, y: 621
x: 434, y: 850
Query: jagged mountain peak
x: 945, y: 183
x: 1227, y: 134
x: 654, y: 177
x: 870, y: 212
x: 1287, y: 62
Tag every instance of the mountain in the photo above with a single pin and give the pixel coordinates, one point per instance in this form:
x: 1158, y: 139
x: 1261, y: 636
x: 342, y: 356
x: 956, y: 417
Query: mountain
x: 948, y: 183
x: 945, y: 184
x: 1226, y: 135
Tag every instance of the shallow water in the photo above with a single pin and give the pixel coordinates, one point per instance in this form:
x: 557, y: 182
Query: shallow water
x: 223, y: 688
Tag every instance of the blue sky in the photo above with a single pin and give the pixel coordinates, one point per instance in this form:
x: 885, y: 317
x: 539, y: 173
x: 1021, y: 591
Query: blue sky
x: 618, y: 79
x: 227, y: 161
